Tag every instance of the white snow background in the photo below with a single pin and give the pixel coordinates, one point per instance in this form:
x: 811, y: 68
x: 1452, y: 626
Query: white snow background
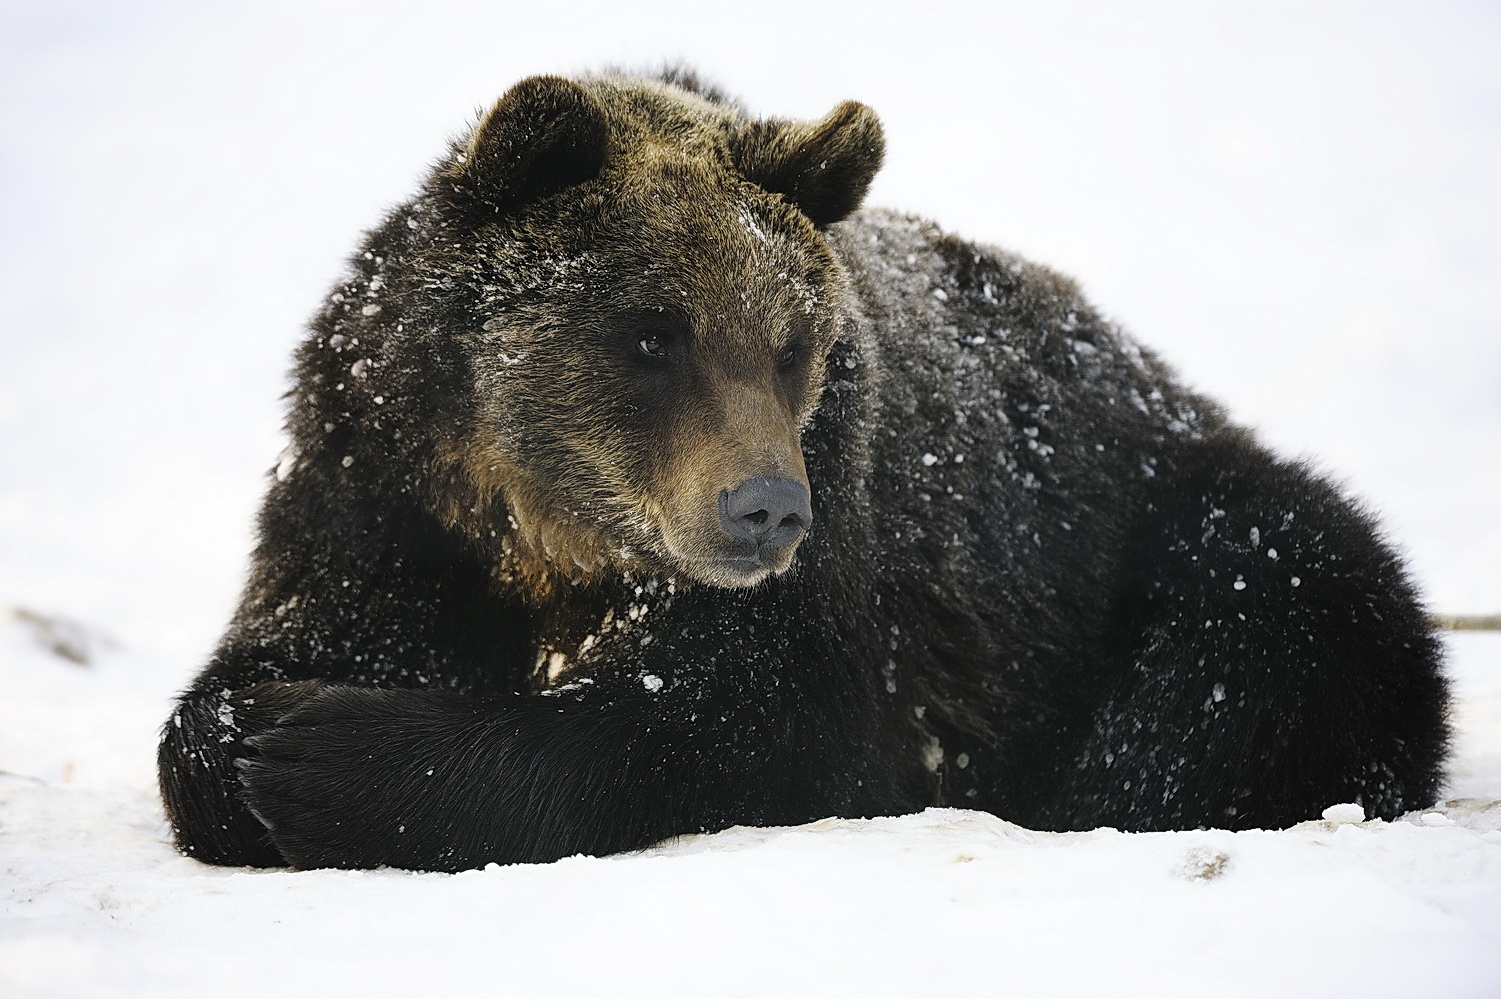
x: 1296, y: 203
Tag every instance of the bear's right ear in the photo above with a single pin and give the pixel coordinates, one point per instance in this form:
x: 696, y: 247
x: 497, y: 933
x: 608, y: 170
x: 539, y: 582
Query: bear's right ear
x: 823, y: 167
x: 545, y: 134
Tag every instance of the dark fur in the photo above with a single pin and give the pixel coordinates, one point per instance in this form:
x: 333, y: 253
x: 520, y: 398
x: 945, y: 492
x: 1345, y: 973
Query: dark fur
x: 490, y: 618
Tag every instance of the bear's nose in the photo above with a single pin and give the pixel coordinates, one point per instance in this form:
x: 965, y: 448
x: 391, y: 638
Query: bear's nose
x: 771, y: 514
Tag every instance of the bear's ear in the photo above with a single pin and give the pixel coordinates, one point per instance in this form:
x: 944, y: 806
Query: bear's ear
x: 545, y: 134
x: 823, y: 167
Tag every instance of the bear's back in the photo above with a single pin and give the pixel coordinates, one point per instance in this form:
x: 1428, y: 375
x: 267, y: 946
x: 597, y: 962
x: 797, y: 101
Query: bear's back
x: 1013, y: 426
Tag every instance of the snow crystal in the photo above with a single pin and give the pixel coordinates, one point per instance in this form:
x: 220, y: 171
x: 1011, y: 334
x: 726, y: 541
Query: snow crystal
x: 930, y: 460
x: 651, y: 682
x: 751, y: 226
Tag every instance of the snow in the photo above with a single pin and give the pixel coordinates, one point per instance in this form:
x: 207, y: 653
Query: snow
x: 94, y: 902
x: 1302, y: 221
x: 1345, y: 814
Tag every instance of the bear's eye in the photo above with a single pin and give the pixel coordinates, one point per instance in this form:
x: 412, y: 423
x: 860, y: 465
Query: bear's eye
x: 654, y: 336
x: 788, y: 357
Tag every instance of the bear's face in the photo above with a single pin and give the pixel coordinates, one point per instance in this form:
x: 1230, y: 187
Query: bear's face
x: 653, y: 341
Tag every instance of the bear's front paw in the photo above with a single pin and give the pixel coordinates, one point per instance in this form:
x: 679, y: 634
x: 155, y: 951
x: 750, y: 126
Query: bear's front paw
x: 201, y: 748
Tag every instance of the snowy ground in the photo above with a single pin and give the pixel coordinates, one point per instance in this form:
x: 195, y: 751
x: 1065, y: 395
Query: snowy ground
x: 1296, y: 203
x: 94, y: 902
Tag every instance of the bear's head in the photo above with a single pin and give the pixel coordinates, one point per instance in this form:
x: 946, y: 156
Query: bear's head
x: 649, y: 307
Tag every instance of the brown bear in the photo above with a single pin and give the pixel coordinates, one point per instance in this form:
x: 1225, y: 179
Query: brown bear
x: 641, y: 485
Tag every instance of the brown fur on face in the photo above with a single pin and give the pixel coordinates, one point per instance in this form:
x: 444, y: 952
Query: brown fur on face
x: 656, y: 335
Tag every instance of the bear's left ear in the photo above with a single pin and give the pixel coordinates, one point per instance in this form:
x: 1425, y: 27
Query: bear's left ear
x: 823, y: 167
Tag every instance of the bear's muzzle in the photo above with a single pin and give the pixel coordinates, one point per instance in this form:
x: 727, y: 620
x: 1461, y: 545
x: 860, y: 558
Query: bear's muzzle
x: 768, y: 515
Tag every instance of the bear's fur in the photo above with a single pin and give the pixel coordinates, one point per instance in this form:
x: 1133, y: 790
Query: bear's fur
x: 638, y: 486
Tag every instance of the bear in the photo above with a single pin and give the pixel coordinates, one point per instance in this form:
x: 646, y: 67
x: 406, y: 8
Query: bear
x: 641, y: 483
